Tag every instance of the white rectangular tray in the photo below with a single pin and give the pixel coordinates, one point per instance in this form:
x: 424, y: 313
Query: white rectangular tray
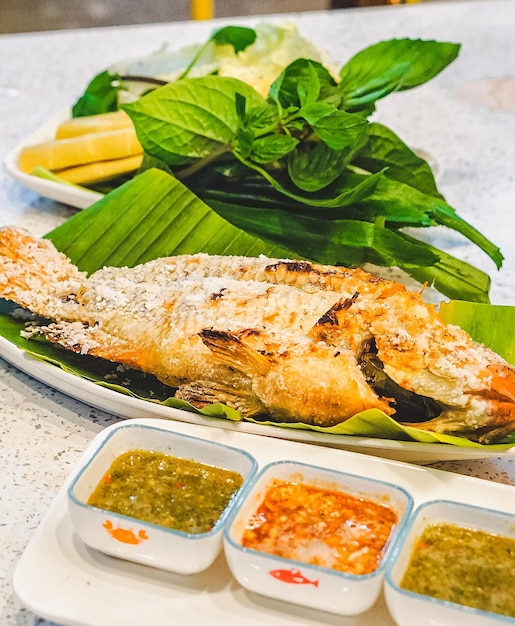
x: 60, y: 579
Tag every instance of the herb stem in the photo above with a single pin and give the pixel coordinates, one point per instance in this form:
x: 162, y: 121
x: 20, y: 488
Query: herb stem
x: 195, y: 58
x: 201, y: 163
x: 144, y: 79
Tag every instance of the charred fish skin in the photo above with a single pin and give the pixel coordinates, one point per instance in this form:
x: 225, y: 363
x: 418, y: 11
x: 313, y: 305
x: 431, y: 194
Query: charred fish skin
x: 274, y: 336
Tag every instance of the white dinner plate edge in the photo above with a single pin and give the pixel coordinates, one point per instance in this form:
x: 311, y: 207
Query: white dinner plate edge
x: 126, y: 406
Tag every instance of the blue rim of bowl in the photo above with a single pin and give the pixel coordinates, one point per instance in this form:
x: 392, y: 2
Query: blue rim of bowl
x: 399, y: 544
x: 389, y: 546
x: 222, y: 520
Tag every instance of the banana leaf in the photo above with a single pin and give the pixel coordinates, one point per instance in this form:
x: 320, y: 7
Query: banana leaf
x: 493, y: 325
x: 153, y: 215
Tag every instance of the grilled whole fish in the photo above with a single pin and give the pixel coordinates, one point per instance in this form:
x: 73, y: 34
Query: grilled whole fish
x: 291, y: 340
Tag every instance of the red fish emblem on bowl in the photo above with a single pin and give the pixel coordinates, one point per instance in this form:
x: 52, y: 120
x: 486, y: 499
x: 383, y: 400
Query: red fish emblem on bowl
x: 292, y: 576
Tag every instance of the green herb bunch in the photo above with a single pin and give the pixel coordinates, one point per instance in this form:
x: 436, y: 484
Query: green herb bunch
x: 305, y: 168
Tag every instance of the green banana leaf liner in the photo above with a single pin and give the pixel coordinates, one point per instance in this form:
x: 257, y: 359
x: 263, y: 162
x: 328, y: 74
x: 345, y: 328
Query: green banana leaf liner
x: 154, y: 215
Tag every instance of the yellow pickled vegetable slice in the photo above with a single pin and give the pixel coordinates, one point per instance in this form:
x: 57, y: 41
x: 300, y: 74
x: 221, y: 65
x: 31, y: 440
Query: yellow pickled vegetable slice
x: 102, y: 170
x: 100, y: 123
x: 59, y: 154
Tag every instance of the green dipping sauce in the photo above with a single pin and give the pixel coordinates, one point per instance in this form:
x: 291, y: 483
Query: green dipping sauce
x: 466, y: 566
x: 178, y: 493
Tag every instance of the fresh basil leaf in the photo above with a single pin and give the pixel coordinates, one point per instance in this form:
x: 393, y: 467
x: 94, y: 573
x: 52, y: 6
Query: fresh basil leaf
x: 262, y: 119
x: 342, y: 131
x: 308, y: 89
x: 269, y: 149
x: 364, y: 94
x: 239, y: 37
x: 243, y: 142
x: 258, y: 129
x: 314, y: 165
x: 384, y: 149
x: 240, y: 103
x: 258, y: 138
x: 394, y: 65
x: 313, y: 112
x: 193, y: 118
x: 101, y: 95
x: 301, y: 82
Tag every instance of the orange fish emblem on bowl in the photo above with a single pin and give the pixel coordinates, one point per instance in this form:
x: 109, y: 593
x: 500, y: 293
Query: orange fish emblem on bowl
x: 125, y: 535
x: 292, y: 576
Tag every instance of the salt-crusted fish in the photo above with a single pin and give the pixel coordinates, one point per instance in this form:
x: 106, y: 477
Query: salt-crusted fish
x: 291, y: 340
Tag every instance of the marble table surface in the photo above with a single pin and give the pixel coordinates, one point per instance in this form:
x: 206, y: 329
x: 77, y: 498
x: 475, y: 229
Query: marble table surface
x: 464, y: 119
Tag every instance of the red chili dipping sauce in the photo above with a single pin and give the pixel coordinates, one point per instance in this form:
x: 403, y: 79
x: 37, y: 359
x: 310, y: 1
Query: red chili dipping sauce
x: 320, y: 526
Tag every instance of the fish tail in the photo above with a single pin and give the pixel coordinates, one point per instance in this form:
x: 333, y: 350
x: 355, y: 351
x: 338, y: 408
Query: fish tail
x: 33, y: 273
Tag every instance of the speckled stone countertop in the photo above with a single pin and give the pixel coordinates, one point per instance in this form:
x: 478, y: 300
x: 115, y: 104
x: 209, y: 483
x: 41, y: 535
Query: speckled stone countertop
x: 465, y: 120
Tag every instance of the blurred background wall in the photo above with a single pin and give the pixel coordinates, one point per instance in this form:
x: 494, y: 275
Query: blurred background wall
x: 31, y: 15
x: 35, y: 15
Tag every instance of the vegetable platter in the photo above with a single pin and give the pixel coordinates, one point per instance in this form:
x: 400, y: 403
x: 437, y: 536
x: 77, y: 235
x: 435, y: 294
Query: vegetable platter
x: 286, y: 150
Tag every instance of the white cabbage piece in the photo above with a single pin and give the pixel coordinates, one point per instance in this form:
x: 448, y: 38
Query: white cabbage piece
x: 276, y: 46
